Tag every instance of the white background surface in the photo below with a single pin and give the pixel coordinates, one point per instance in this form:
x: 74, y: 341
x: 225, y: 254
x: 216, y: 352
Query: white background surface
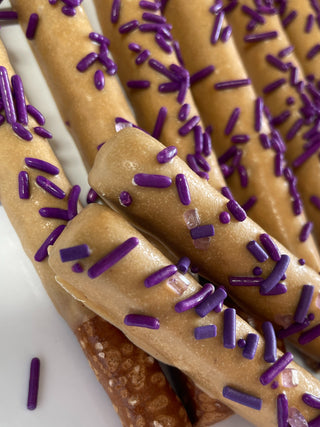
x: 69, y: 394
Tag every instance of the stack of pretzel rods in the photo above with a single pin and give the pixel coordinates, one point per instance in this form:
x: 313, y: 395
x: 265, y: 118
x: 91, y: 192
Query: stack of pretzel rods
x: 291, y: 101
x: 109, y: 352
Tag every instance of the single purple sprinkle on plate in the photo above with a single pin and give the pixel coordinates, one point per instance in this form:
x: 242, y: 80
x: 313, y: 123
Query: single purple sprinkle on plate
x: 309, y: 335
x: 160, y: 275
x: 195, y: 299
x: 242, y: 398
x: 270, y: 374
x: 54, y: 213
x: 150, y: 180
x: 42, y: 252
x: 115, y: 11
x: 304, y: 303
x: 125, y: 199
x: 306, y: 231
x: 183, y: 264
x: 270, y: 247
x: 73, y: 201
x: 236, y: 210
x: 75, y: 252
x: 138, y: 84
x: 38, y: 117
x: 142, y: 321
x: 92, y: 196
x: 129, y: 26
x: 250, y: 348
x: 77, y: 268
x: 311, y: 400
x: 50, y: 187
x: 41, y: 131
x: 211, y: 301
x: 276, y: 275
x: 183, y: 189
x: 33, y: 383
x: 282, y: 410
x: 167, y: 154
x: 232, y: 84
x: 112, y: 257
x: 88, y: 60
x: 224, y: 217
x: 252, y: 38
x: 41, y: 165
x: 204, y: 332
x: 270, y: 349
x: 6, y: 96
x: 201, y: 231
x: 18, y: 93
x: 32, y: 26
x: 257, y: 251
x: 23, y: 181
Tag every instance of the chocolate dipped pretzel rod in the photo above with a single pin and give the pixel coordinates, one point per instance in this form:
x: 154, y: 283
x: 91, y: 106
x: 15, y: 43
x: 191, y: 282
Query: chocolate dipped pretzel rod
x: 277, y: 76
x: 194, y: 220
x: 155, y: 309
x: 70, y: 37
x: 242, y: 138
x: 28, y: 163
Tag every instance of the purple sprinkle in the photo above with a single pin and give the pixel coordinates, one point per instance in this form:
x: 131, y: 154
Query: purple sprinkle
x: 144, y: 4
x: 75, y: 252
x: 167, y: 154
x: 256, y: 250
x: 68, y: 11
x: 151, y: 27
x: 232, y: 121
x: 21, y: 131
x: 270, y: 374
x: 50, y: 187
x: 301, y: 261
x: 252, y: 38
x: 236, y: 210
x: 142, y: 321
x: 39, y: 118
x: 309, y: 23
x: 306, y: 231
x: 42, y: 252
x: 125, y: 198
x: 279, y: 289
x: 241, y: 343
x: 240, y: 139
x: 33, y: 383
x: 160, y: 275
x: 156, y: 133
x: 176, y: 48
x: 73, y: 201
x: 274, y: 85
x: 183, y: 265
x: 311, y: 400
x: 184, y: 112
x: 18, y: 93
x: 99, y: 38
x: 275, y: 276
x: 99, y: 80
x: 202, y: 231
x: 183, y: 189
x: 315, y: 201
x: 280, y: 118
x: 168, y: 87
x: 201, y: 74
x: 158, y: 66
x: 203, y: 332
x: 112, y: 257
x: 229, y: 328
x: 8, y: 15
x: 257, y: 271
x: 282, y: 410
x: 149, y: 180
x: 189, y: 125
x: 44, y: 133
x: 270, y: 350
x: 217, y: 7
x: 298, y: 161
x: 162, y: 43
x: 289, y: 18
x: 142, y: 57
x: 286, y: 51
x: 244, y: 180
x: 210, y: 302
x: 253, y: 14
x: 192, y: 163
x: 226, y: 33
x: 217, y: 27
x: 194, y: 300
x: 232, y: 84
x: 258, y: 114
x: 245, y: 280
x: 138, y: 84
x: 54, y: 213
x: 226, y: 192
x: 309, y: 335
x: 250, y: 349
x: 23, y: 180
x: 134, y: 47
x: 110, y: 65
x: 294, y: 76
x: 277, y: 63
x: 224, y: 217
x: 129, y: 26
x: 292, y: 329
x: 230, y: 153
x: 231, y: 6
x: 207, y: 145
x: 242, y: 398
x: 270, y: 247
x: 294, y: 129
x: 6, y: 96
x: 152, y: 17
x: 32, y: 26
x: 304, y: 303
x: 202, y: 163
x: 313, y: 51
x: 77, y: 268
x: 115, y: 11
x: 290, y: 100
x: 72, y: 3
x: 85, y: 62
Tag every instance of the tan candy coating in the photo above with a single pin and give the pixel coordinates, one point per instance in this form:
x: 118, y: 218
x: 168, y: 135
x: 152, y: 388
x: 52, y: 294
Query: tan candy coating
x: 273, y: 209
x: 113, y: 296
x: 160, y: 212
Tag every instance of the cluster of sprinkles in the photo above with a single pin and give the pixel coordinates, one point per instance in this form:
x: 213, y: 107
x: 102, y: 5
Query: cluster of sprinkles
x: 69, y: 7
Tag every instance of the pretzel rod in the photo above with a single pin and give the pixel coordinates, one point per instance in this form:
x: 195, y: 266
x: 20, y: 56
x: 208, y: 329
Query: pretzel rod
x: 24, y: 216
x: 222, y: 250
x: 157, y: 327
x: 257, y: 172
x: 151, y: 100
x: 288, y: 95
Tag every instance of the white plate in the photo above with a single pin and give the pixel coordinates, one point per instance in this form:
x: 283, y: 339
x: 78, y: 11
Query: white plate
x: 69, y: 394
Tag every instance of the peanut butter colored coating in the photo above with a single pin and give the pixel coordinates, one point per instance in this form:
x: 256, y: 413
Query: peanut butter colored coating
x: 60, y: 43
x: 113, y: 296
x: 147, y: 102
x: 160, y: 212
x: 273, y: 209
x: 253, y: 57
